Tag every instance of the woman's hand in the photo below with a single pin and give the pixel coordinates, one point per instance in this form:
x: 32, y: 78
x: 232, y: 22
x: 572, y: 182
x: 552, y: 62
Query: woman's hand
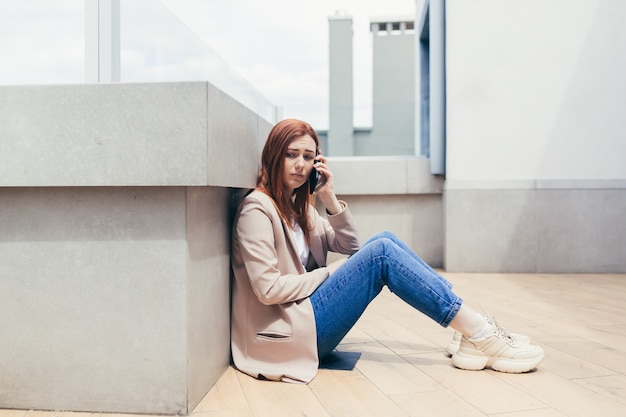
x: 324, y: 190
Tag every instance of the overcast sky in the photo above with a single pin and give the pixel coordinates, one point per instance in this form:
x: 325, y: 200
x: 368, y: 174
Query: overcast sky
x: 280, y: 46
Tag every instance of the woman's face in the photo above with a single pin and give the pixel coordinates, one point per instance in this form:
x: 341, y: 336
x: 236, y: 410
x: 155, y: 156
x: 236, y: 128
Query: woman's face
x: 299, y: 160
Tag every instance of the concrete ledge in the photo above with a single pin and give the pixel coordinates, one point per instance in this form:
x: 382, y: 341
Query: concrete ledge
x: 540, y: 184
x: 115, y: 217
x: 535, y: 226
x: 384, y: 175
x: 397, y: 194
x: 416, y: 218
x: 152, y: 134
x: 547, y: 230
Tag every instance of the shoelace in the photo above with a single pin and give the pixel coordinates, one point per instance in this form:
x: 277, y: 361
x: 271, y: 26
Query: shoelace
x: 501, y: 330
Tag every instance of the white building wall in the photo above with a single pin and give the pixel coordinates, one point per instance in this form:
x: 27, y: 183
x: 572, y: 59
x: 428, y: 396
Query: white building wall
x: 536, y: 179
x: 535, y: 90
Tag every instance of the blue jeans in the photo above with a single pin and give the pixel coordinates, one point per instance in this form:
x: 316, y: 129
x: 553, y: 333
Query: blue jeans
x: 382, y: 260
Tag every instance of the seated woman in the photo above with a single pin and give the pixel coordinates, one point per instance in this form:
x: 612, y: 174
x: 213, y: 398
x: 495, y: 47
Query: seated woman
x: 290, y: 309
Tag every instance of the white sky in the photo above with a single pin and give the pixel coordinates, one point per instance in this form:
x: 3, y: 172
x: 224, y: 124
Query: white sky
x: 280, y: 46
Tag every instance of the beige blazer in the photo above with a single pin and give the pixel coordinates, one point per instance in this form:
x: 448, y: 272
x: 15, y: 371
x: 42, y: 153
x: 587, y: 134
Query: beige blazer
x: 273, y: 333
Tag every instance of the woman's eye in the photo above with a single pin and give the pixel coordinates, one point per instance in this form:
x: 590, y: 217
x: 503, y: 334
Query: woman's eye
x: 292, y: 155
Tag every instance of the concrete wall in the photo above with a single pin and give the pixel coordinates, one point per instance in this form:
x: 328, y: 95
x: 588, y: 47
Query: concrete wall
x: 396, y: 194
x: 535, y: 177
x: 546, y: 227
x: 115, y: 210
x: 109, y: 297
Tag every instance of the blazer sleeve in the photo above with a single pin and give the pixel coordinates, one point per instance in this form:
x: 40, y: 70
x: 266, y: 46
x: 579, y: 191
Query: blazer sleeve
x: 274, y: 276
x: 340, y: 230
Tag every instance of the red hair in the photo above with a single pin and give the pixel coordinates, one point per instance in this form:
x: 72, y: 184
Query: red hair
x: 270, y: 179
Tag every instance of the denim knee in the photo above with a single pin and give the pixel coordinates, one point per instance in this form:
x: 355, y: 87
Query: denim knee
x: 382, y: 248
x: 385, y: 234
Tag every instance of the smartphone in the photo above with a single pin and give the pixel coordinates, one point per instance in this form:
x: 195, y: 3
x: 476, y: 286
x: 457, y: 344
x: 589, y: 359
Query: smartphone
x: 314, y: 177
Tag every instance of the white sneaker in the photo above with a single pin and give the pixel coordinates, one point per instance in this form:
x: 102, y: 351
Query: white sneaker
x: 454, y: 344
x: 499, y: 351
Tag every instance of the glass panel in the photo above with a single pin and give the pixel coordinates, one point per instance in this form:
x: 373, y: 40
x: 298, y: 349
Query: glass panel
x: 157, y: 46
x: 42, y: 42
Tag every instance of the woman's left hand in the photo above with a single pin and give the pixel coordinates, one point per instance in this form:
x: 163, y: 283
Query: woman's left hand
x: 325, y: 188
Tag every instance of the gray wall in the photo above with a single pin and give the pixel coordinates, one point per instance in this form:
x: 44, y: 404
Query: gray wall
x: 109, y: 297
x: 417, y: 219
x: 545, y: 227
x: 396, y: 194
x: 115, y: 211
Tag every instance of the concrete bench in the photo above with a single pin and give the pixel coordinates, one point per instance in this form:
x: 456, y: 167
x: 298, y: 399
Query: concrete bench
x: 115, y: 211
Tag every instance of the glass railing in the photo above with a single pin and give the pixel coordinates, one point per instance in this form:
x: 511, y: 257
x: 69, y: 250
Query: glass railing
x: 157, y: 46
x: 45, y: 44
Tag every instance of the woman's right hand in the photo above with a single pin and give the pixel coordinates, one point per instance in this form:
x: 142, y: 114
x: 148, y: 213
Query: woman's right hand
x: 325, y: 190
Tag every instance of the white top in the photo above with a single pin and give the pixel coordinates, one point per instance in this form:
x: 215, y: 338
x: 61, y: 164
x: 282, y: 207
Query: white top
x: 303, y: 247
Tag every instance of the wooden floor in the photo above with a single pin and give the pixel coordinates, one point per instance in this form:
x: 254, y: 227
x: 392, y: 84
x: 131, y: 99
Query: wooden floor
x: 579, y: 320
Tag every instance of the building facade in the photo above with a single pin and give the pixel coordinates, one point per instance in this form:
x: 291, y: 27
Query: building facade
x: 393, y: 90
x: 519, y: 112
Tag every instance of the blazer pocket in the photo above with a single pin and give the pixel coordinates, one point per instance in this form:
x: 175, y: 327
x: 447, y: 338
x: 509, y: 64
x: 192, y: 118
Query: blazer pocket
x: 273, y: 336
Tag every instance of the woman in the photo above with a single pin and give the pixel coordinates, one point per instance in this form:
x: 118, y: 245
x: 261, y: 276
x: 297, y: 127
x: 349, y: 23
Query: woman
x: 290, y: 308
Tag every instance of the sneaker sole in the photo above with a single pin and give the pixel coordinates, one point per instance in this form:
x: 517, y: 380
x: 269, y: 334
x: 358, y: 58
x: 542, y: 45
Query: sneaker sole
x: 506, y: 365
x: 452, y: 348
